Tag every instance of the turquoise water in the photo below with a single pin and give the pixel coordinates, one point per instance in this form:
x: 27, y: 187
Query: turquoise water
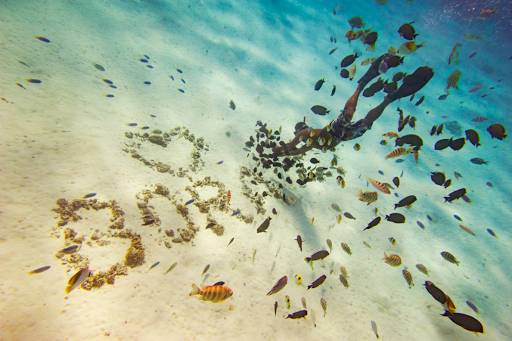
x: 64, y: 138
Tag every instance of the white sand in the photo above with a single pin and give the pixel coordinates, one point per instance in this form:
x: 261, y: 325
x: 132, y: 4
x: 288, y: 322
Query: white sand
x: 64, y: 139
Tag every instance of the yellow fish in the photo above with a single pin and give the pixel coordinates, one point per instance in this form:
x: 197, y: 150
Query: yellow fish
x: 409, y: 47
x: 212, y: 293
x: 298, y: 279
x: 368, y: 197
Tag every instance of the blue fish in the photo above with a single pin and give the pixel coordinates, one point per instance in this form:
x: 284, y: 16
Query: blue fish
x: 420, y: 224
x: 146, y: 82
x: 149, y: 66
x: 396, y: 194
x: 143, y: 60
x: 152, y: 266
x: 190, y: 201
x: 146, y: 56
x: 429, y: 217
x: 90, y: 195
x: 39, y: 270
x: 109, y: 96
x: 113, y: 87
x: 402, y: 174
x: 179, y: 70
x: 381, y: 172
x: 69, y: 250
x: 171, y: 77
x: 207, y: 149
x: 183, y: 81
x: 132, y: 124
x: 152, y: 115
x: 235, y: 213
x: 399, y: 160
x: 220, y: 162
x: 181, y: 90
x: 491, y: 232
x: 457, y: 217
x: 145, y: 128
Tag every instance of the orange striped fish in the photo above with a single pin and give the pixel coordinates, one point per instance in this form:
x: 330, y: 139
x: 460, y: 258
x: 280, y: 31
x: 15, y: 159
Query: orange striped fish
x: 449, y: 257
x: 346, y: 248
x: 393, y: 260
x: 465, y: 228
x: 379, y: 185
x: 229, y: 198
x: 423, y: 269
x: 368, y: 197
x: 396, y: 153
x: 212, y: 293
x: 416, y: 155
x: 391, y: 134
x: 408, y: 278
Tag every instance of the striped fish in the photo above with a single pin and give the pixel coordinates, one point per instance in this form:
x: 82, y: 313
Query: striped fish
x: 408, y: 278
x: 212, y: 293
x: 480, y: 119
x: 345, y: 248
x: 423, y: 268
x: 465, y: 228
x: 416, y: 155
x: 452, y: 80
x: 280, y: 284
x: 396, y: 153
x: 478, y: 161
x: 391, y: 134
x: 344, y: 281
x: 379, y: 185
x: 304, y: 303
x: 368, y: 197
x: 229, y: 198
x: 344, y: 272
x: 393, y: 260
x: 392, y: 240
x: 323, y: 302
x: 356, y: 22
x: 449, y: 257
x: 75, y: 281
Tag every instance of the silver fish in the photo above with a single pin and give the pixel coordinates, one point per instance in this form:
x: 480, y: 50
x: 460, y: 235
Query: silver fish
x: 70, y: 250
x: 374, y: 327
x: 171, y: 268
x: 205, y: 269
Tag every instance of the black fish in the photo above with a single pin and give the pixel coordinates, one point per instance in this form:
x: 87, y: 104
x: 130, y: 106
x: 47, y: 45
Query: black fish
x: 391, y: 87
x: 348, y: 60
x: 90, y: 195
x: 319, y: 84
x: 317, y: 256
x: 43, y: 39
x: 455, y: 195
x: 447, y: 183
x: 264, y: 225
x: 35, y: 81
x: 373, y: 223
x: 412, y: 97
x: 402, y: 124
x: 436, y: 293
x: 371, y: 38
x: 344, y: 73
x: 280, y: 284
x: 219, y: 283
x: 465, y: 321
x: 473, y: 137
x: 299, y: 241
x: 396, y: 218
x: 368, y: 92
x: 440, y: 129
x: 438, y: 178
x: 398, y: 76
x: 319, y: 110
x: 288, y: 180
x: 396, y: 181
x: 349, y: 216
x: 412, y: 122
x: 274, y: 211
x: 332, y: 51
x: 209, y: 226
x: 443, y: 144
x: 275, y: 309
x: 297, y: 314
x: 317, y: 282
x: 411, y: 139
x: 394, y: 61
x: 230, y: 241
x: 420, y: 100
x: 333, y: 90
x: 407, y: 201
x: 433, y: 130
x: 313, y: 160
x: 457, y: 144
x: 407, y: 31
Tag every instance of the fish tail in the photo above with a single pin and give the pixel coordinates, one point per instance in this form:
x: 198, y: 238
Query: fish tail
x: 385, y: 256
x: 195, y: 290
x: 68, y: 289
x: 360, y: 194
x: 396, y: 205
x: 307, y: 259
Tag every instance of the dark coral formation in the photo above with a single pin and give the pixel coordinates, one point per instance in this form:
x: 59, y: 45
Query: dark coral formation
x: 135, y: 255
x: 109, y: 277
x: 68, y: 211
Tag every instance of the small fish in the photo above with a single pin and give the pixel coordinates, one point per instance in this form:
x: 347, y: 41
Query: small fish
x: 75, y: 281
x: 304, y: 304
x: 344, y: 281
x: 457, y: 217
x: 449, y: 257
x: 179, y: 70
x: 329, y: 244
x: 368, y: 197
x: 254, y: 255
x: 298, y: 315
x: 220, y: 162
x: 147, y: 83
x: 205, y: 269
x: 70, y: 250
x: 472, y: 55
x: 393, y: 260
x: 235, y: 213
x: 132, y: 124
x: 472, y: 306
x: 144, y: 128
x: 275, y: 308
x: 396, y: 218
x: 422, y: 268
x: 90, y: 195
x: 171, y: 77
x: 299, y: 241
x: 317, y: 282
x: 373, y: 223
x: 429, y: 217
x: 43, y: 39
x: 332, y: 51
x: 392, y: 240
x: 171, y: 268
x: 110, y: 96
x: 374, y: 327
x: 287, y: 298
x: 491, y: 232
x: 317, y: 256
x: 408, y: 277
x: 39, y: 270
x: 181, y: 90
x: 298, y: 279
x: 443, y: 97
x: 357, y: 147
x: 230, y: 241
x: 349, y: 216
x: 21, y: 86
x: 34, y: 81
x: 346, y: 248
x: 264, y: 225
x: 142, y: 60
x: 366, y: 244
x: 98, y: 67
x: 280, y: 284
x: 420, y: 224
x: 183, y: 81
x: 152, y: 266
x: 381, y: 172
x: 190, y: 201
x: 323, y: 302
x: 213, y: 293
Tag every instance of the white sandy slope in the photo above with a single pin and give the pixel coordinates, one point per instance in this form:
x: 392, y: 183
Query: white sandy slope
x: 63, y: 139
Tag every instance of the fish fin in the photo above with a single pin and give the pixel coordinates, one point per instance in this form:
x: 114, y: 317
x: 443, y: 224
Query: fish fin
x: 447, y: 313
x: 360, y: 194
x: 385, y: 256
x: 73, y: 279
x: 195, y: 290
